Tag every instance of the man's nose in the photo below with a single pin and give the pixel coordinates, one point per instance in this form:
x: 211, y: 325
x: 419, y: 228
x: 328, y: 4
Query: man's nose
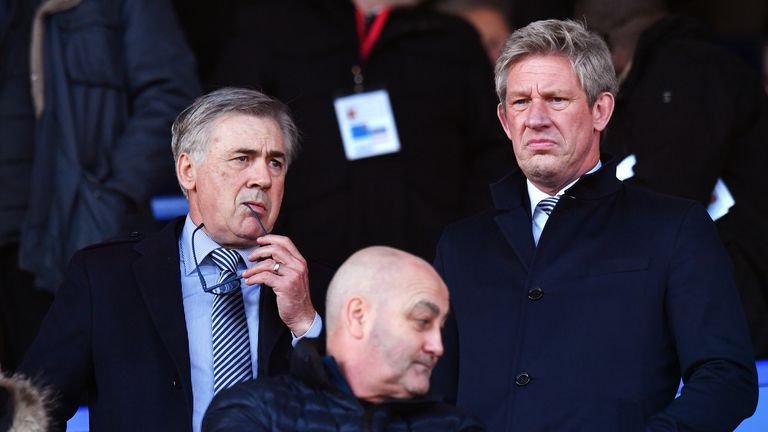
x: 258, y: 174
x: 538, y: 114
x: 434, y: 342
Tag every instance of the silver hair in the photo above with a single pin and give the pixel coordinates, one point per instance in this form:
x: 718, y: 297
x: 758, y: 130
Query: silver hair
x: 587, y: 52
x: 191, y: 130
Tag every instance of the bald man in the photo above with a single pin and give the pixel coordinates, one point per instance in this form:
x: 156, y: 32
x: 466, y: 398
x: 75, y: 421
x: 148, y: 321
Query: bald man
x: 385, y: 310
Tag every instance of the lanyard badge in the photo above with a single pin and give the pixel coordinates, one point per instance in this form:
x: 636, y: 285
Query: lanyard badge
x: 366, y: 122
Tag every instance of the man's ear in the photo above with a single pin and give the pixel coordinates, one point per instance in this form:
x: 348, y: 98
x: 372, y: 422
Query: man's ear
x: 186, y: 172
x: 602, y: 110
x: 502, y: 115
x: 356, y: 316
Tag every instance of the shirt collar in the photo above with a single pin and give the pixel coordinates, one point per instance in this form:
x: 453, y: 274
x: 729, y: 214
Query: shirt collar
x: 537, y: 195
x: 204, y: 245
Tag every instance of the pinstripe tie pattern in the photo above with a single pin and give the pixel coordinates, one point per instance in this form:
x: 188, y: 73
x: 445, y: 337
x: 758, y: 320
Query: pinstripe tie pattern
x: 548, y: 204
x: 231, y: 348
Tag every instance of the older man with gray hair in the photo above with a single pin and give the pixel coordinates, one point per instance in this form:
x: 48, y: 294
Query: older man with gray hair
x: 148, y: 329
x: 579, y: 301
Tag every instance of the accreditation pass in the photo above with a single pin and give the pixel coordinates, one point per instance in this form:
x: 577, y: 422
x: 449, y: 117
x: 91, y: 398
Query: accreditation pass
x: 367, y: 124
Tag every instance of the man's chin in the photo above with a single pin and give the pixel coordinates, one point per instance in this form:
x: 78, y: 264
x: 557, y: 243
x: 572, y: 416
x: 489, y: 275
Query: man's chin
x: 419, y: 383
x: 541, y: 172
x: 419, y: 389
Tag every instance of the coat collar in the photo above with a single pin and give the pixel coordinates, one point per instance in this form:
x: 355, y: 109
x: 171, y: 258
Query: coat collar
x: 510, y: 198
x: 510, y: 192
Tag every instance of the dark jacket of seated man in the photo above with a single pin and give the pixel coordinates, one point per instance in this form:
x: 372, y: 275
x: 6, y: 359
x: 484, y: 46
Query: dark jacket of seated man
x: 315, y: 396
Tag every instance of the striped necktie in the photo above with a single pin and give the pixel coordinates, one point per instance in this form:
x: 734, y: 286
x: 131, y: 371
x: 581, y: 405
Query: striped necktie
x: 541, y: 215
x: 548, y: 204
x: 231, y: 347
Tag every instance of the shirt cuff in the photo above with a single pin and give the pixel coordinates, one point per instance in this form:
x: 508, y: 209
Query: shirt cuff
x: 313, y: 332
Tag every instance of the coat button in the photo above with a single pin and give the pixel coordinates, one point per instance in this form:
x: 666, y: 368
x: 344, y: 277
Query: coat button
x: 134, y: 234
x: 535, y: 293
x: 522, y: 379
x: 176, y: 383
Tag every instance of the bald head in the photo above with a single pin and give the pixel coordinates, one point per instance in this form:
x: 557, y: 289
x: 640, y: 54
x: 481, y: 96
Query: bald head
x: 384, y: 312
x: 375, y: 273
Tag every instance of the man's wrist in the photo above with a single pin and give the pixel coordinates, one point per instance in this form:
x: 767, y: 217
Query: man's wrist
x: 312, y: 330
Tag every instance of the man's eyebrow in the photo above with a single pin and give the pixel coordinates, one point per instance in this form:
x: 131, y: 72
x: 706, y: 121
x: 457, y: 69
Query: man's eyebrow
x: 250, y: 151
x: 426, y: 304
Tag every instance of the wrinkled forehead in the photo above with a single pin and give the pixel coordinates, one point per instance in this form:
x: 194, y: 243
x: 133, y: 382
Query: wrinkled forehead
x: 543, y: 70
x: 564, y: 63
x: 427, y: 291
x: 245, y: 130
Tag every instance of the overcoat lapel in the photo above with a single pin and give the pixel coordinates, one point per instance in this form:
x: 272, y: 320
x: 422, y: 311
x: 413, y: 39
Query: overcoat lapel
x: 159, y: 280
x: 514, y: 211
x: 270, y: 328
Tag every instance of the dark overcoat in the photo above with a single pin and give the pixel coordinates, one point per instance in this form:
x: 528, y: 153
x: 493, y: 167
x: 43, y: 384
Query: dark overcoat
x: 116, y: 336
x: 627, y: 292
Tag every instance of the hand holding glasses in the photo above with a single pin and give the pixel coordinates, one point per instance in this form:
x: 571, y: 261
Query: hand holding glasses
x: 232, y: 283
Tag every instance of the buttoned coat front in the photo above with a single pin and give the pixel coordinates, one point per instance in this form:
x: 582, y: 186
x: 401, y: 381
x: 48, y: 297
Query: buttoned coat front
x: 626, y: 292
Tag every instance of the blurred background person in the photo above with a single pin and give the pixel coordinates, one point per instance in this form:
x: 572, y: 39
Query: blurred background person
x: 88, y: 91
x: 489, y: 19
x: 394, y: 101
x: 694, y: 118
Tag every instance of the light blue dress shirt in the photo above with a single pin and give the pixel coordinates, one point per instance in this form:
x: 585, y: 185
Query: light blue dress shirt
x: 536, y: 196
x: 197, y: 312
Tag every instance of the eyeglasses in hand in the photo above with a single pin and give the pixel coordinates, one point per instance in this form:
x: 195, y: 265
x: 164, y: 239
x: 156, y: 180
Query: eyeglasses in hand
x: 228, y: 285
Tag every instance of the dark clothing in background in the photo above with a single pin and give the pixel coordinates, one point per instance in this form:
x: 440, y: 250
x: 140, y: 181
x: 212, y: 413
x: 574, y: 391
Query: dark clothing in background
x: 316, y: 397
x: 524, y: 12
x: 116, y: 73
x: 22, y: 307
x: 692, y: 113
x: 626, y: 292
x: 112, y: 76
x: 17, y: 117
x: 440, y: 86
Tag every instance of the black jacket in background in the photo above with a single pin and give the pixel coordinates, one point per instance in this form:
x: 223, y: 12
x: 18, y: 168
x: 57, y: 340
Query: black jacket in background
x: 316, y: 397
x: 693, y: 113
x: 441, y: 89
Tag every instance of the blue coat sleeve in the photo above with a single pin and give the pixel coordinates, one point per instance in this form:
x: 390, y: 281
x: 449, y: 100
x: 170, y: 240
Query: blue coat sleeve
x: 712, y: 341
x: 60, y: 357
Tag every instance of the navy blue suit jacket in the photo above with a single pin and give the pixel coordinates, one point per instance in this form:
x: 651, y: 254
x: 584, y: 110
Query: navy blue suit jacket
x: 627, y: 292
x: 116, y: 336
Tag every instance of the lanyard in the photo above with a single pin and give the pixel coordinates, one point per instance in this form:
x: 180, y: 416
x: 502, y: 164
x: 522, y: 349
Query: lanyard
x: 368, y: 37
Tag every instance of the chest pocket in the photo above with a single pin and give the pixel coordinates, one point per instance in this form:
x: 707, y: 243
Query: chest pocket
x: 93, y: 46
x: 619, y: 265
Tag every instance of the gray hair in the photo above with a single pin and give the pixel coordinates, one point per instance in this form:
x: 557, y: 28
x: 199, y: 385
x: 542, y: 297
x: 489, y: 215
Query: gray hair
x: 587, y: 52
x: 192, y: 127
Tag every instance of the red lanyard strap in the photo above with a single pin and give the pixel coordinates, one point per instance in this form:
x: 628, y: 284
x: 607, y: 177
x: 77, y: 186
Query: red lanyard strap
x: 368, y: 37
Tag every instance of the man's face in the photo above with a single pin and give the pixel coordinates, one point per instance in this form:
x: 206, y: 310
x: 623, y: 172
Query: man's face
x: 554, y: 132
x: 405, y: 341
x: 243, y: 173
